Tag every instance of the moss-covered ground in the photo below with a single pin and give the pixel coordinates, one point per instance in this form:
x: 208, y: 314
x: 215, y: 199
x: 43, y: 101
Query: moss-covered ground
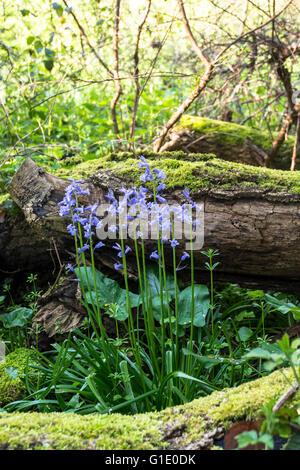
x: 176, y: 427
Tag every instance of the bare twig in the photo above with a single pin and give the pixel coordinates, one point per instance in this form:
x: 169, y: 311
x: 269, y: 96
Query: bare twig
x: 204, y: 79
x: 294, y: 154
x: 282, y: 134
x: 136, y: 70
x: 285, y: 397
x: 208, y: 66
x: 117, y: 83
x: 85, y: 37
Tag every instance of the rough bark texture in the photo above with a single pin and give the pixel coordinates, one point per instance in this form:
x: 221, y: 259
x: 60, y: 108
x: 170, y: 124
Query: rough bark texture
x: 256, y: 230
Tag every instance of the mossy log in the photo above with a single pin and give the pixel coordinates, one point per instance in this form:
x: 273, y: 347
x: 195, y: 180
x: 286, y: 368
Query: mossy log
x: 194, y: 426
x: 228, y: 141
x: 252, y: 215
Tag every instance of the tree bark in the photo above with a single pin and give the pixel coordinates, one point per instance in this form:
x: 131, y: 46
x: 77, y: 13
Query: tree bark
x: 257, y: 232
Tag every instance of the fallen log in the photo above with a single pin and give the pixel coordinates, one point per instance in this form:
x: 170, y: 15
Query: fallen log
x: 229, y: 141
x: 252, y: 215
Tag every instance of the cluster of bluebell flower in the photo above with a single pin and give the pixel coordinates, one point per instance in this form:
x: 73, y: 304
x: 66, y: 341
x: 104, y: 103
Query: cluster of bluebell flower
x: 136, y: 205
x: 160, y: 312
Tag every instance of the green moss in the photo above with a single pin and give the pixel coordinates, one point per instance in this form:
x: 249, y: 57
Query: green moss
x: 198, y: 172
x: 232, y: 134
x: 147, y: 431
x: 3, y: 198
x: 12, y: 389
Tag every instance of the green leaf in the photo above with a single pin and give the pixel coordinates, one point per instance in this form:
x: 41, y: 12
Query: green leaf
x: 256, y: 294
x: 38, y: 46
x: 201, y: 305
x: 154, y: 284
x: 17, y: 318
x: 294, y: 442
x: 265, y: 351
x: 12, y: 372
x: 49, y: 53
x: 49, y: 64
x: 30, y: 40
x: 108, y: 290
x: 283, y: 306
x: 25, y: 12
x: 156, y: 306
x: 245, y: 333
x: 58, y: 8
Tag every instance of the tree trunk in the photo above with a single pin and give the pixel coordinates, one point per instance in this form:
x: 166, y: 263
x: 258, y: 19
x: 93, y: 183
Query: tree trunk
x: 257, y: 232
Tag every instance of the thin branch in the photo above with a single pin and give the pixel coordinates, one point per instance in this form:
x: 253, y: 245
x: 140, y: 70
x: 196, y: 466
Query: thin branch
x: 117, y: 83
x: 282, y: 134
x: 204, y: 79
x: 290, y: 392
x: 297, y: 137
x: 136, y: 70
x: 85, y: 37
x: 251, y: 32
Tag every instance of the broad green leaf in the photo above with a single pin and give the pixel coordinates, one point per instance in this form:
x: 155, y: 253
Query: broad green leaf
x: 244, y: 315
x: 294, y: 442
x: 154, y: 284
x: 245, y: 333
x: 49, y: 53
x: 156, y: 307
x: 49, y: 64
x: 25, y: 12
x: 17, y: 318
x: 282, y: 306
x: 201, y: 305
x: 108, y: 291
x: 58, y: 8
x: 12, y: 372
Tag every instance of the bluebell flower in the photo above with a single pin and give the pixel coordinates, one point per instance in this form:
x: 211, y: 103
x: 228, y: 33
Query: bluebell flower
x: 127, y: 250
x: 160, y: 198
x: 186, y: 193
x: 118, y: 266
x: 117, y: 246
x: 185, y: 256
x: 174, y: 243
x: 159, y: 174
x: 69, y: 267
x: 100, y: 245
x: 84, y: 248
x: 160, y: 187
x: 154, y: 255
x: 71, y: 229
